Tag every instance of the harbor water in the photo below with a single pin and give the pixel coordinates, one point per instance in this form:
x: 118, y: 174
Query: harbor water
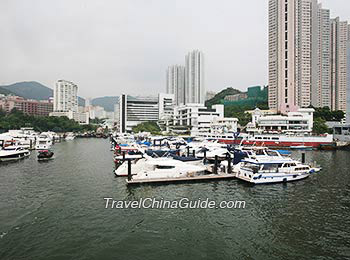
x: 56, y: 210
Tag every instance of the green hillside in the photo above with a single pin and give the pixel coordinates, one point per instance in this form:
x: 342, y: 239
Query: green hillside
x: 221, y: 95
x: 32, y: 90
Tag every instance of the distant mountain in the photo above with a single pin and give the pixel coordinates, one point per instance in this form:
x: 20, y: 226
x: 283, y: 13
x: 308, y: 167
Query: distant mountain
x: 106, y: 102
x: 32, y: 90
x: 5, y: 91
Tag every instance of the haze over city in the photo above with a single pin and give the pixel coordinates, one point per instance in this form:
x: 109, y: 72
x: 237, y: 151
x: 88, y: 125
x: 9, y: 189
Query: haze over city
x: 107, y: 47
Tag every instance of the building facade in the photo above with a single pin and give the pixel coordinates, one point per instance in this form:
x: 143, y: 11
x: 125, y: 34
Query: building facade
x: 135, y: 110
x: 175, y: 83
x: 66, y: 102
x: 307, y: 56
x: 321, y: 58
x: 195, y: 118
x: 194, y: 78
x: 339, y: 36
x: 294, y: 122
x: 65, y: 96
x: 27, y: 106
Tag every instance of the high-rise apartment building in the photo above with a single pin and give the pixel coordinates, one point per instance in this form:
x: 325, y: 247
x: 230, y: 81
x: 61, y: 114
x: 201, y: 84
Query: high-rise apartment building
x: 290, y: 54
x: 321, y: 58
x: 175, y: 83
x: 194, y: 78
x: 339, y: 36
x: 307, y: 56
x: 65, y: 96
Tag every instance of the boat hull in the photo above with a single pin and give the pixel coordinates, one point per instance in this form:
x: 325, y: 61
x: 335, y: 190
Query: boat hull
x: 284, y: 144
x: 14, y: 157
x: 271, y: 178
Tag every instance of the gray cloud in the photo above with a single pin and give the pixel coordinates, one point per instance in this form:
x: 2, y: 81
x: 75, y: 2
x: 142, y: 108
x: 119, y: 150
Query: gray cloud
x: 110, y: 47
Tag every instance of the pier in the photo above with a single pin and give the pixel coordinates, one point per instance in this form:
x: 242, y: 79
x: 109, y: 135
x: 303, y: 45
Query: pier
x: 207, y: 177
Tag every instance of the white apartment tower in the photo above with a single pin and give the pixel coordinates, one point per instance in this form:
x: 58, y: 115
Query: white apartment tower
x: 339, y: 36
x: 175, y: 83
x: 65, y: 96
x: 194, y: 78
x: 321, y: 58
x: 307, y: 56
x: 290, y: 54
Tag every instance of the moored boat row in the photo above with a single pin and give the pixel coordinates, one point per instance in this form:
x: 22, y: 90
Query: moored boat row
x: 172, y: 159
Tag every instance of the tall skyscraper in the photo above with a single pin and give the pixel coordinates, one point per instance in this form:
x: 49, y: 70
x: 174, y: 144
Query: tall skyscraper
x: 339, y: 36
x: 289, y: 54
x: 321, y: 58
x: 307, y: 56
x: 65, y: 96
x: 194, y: 78
x: 175, y: 83
x: 348, y: 79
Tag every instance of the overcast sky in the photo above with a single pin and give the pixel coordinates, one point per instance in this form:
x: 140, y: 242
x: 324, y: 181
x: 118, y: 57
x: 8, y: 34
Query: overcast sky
x: 114, y: 47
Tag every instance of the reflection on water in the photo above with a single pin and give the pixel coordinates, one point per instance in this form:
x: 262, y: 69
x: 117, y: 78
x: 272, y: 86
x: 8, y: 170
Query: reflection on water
x: 55, y: 210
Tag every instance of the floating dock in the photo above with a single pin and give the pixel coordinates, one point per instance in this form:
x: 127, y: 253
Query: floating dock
x: 206, y: 177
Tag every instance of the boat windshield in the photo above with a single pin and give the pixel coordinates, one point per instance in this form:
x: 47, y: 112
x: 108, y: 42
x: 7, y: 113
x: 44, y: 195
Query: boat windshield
x: 271, y: 166
x: 165, y: 167
x: 272, y: 153
x: 260, y: 152
x: 251, y: 166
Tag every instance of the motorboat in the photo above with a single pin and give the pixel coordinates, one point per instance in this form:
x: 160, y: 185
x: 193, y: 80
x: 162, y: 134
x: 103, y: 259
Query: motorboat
x: 43, y: 142
x: 163, y: 168
x: 45, y: 155
x: 70, y: 137
x: 273, y: 171
x: 155, y: 168
x: 11, y: 153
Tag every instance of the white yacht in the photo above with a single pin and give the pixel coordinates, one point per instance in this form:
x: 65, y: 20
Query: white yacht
x: 11, y: 153
x: 43, y: 142
x: 272, y: 171
x: 158, y: 168
x: 70, y: 137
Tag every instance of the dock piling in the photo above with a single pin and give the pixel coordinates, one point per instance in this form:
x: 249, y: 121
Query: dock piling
x: 229, y: 166
x: 129, y: 170
x: 216, y: 164
x: 303, y: 158
x: 188, y: 151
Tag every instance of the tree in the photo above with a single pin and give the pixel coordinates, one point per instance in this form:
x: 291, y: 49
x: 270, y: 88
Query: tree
x: 151, y: 127
x: 17, y: 119
x: 328, y: 115
x: 320, y: 126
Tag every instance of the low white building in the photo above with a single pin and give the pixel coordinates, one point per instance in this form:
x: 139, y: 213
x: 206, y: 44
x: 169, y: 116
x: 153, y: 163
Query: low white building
x: 294, y: 122
x: 199, y: 120
x: 131, y: 111
x: 81, y: 118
